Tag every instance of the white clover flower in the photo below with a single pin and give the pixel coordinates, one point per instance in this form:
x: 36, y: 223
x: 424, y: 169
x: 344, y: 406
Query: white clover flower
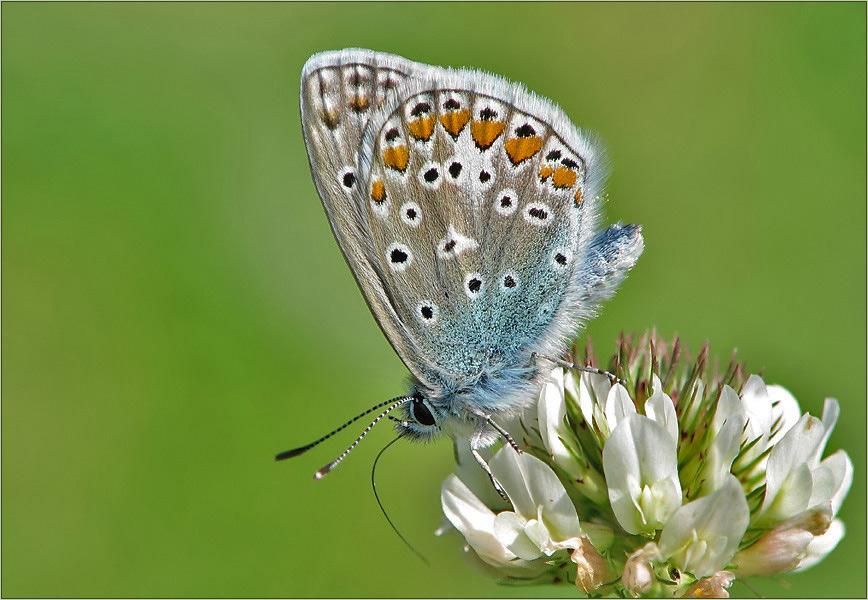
x: 703, y: 535
x: 544, y: 520
x: 674, y: 484
x: 641, y: 469
x: 475, y: 521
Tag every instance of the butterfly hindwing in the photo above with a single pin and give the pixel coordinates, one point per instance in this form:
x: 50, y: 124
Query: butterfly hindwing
x: 479, y: 211
x: 467, y: 209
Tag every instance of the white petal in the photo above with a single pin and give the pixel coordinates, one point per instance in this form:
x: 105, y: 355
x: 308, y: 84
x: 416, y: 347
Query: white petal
x: 723, y: 451
x: 530, y: 483
x: 821, y: 545
x: 757, y: 407
x: 619, y: 406
x: 551, y: 411
x: 794, y: 495
x: 660, y: 408
x: 570, y: 385
x: 728, y: 407
x: 474, y: 520
x: 786, y: 467
x: 592, y: 394
x: 837, y: 476
x: 509, y: 529
x: 600, y: 385
x: 823, y: 486
x: 549, y: 536
x: 509, y: 468
x: 831, y: 411
x: 784, y: 408
x: 702, y: 536
x: 780, y: 549
x: 640, y: 464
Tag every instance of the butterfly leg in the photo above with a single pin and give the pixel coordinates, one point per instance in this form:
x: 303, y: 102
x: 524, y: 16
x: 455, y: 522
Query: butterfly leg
x: 575, y: 367
x: 487, y: 419
x: 476, y: 442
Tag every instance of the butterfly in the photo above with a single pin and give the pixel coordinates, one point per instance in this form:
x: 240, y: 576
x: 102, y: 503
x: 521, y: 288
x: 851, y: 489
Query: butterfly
x: 468, y: 210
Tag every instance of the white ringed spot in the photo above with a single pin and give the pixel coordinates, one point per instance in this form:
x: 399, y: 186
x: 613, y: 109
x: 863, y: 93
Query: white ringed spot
x: 398, y: 256
x: 430, y: 175
x: 455, y: 170
x: 484, y: 177
x: 506, y: 202
x: 561, y: 258
x: 411, y: 214
x: 537, y: 213
x: 427, y: 312
x: 473, y: 284
x: 347, y: 179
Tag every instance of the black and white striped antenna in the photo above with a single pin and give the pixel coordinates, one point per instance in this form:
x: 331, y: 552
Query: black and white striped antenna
x: 390, y: 404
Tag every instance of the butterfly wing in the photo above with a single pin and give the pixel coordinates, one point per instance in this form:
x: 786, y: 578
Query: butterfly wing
x: 340, y: 92
x: 466, y: 208
x: 482, y: 201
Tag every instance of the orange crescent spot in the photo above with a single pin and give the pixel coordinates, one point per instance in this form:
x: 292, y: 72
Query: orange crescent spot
x: 360, y: 103
x: 422, y: 128
x: 564, y: 177
x: 330, y: 118
x: 378, y: 191
x: 521, y: 149
x: 485, y: 132
x: 545, y: 172
x: 396, y: 157
x: 454, y: 121
x: 579, y: 197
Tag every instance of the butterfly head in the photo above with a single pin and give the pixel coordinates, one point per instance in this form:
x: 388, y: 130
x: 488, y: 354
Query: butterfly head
x: 422, y: 418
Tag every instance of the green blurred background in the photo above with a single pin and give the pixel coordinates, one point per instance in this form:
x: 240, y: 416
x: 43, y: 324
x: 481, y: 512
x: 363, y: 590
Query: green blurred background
x: 176, y: 310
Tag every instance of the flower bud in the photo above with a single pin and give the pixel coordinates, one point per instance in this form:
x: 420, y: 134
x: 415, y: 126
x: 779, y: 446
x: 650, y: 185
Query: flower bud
x: 781, y: 549
x: 714, y: 586
x: 638, y: 575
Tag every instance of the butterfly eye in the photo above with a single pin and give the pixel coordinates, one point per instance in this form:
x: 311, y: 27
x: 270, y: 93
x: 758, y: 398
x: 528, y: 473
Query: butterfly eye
x: 421, y: 413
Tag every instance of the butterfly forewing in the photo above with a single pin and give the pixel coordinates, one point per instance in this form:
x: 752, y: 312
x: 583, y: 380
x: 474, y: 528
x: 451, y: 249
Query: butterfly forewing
x: 340, y: 92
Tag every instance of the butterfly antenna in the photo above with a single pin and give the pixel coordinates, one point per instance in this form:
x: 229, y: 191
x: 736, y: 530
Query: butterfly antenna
x: 296, y: 451
x: 383, y: 508
x: 329, y: 467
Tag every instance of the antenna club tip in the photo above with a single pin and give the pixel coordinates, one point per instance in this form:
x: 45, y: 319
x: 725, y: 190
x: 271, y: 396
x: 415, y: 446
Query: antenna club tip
x: 292, y: 453
x: 326, y: 470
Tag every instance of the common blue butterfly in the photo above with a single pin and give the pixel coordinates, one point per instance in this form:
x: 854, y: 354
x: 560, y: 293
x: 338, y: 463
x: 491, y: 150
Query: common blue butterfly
x: 467, y: 209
